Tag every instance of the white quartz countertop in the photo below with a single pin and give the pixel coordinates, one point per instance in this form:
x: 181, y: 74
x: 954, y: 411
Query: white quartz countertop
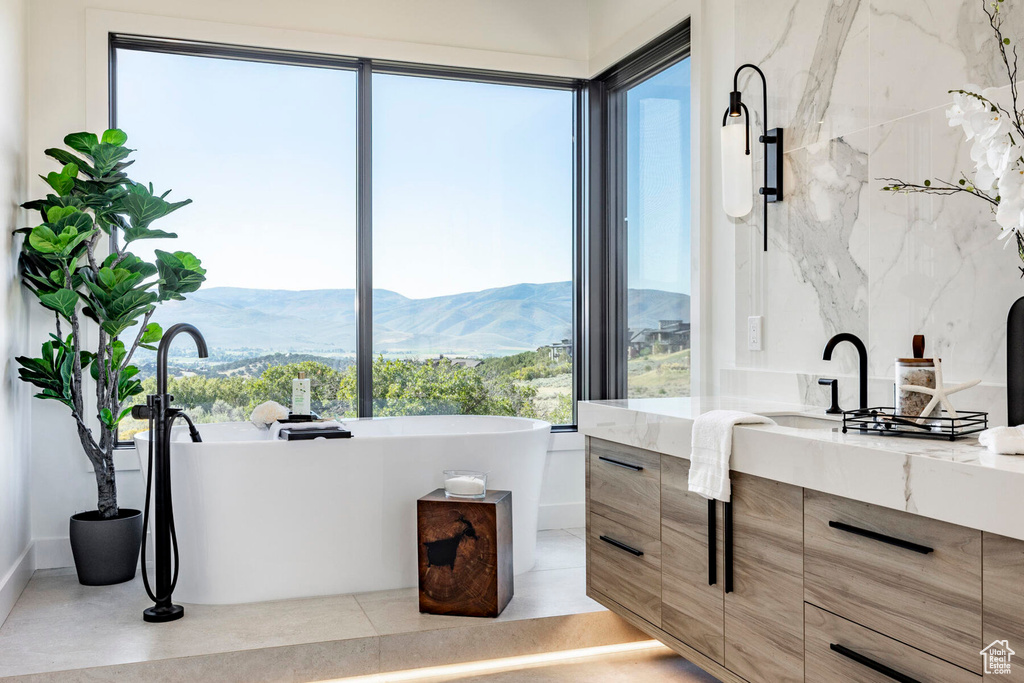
x: 959, y: 482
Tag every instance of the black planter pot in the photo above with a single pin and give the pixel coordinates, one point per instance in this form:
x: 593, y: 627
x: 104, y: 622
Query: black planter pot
x: 106, y: 550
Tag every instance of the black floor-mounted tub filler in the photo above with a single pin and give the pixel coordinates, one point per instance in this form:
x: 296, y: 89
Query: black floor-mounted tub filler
x: 161, y: 416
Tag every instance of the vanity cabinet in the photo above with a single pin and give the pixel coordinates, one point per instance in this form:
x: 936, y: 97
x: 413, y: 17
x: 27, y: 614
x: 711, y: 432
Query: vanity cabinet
x: 1003, y: 602
x: 791, y: 584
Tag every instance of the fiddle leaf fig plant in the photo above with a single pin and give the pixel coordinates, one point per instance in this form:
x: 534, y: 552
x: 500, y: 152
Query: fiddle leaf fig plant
x: 78, y: 265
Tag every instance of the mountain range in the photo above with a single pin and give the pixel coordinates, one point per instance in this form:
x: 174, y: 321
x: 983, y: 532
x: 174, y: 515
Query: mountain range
x: 490, y: 322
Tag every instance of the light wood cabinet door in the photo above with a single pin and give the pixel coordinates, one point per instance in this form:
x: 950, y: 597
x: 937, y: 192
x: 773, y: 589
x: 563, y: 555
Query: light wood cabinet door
x: 764, y: 612
x: 693, y: 603
x: 1003, y: 600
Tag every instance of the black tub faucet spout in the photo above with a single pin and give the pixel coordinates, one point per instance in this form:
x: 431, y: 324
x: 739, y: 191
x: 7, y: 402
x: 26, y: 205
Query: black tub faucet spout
x: 862, y: 352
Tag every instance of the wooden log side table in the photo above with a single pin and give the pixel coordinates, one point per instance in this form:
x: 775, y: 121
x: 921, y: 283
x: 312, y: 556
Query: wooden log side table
x: 465, y: 553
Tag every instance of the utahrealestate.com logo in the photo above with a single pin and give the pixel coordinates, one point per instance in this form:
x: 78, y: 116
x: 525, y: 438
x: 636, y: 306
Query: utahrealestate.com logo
x: 997, y: 657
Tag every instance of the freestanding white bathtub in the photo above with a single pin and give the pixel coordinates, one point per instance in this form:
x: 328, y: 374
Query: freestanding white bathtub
x: 266, y: 520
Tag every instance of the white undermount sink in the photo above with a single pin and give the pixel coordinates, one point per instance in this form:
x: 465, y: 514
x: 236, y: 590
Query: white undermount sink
x: 807, y: 421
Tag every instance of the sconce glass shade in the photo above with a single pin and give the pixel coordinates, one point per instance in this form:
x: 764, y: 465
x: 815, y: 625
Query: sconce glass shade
x: 737, y: 172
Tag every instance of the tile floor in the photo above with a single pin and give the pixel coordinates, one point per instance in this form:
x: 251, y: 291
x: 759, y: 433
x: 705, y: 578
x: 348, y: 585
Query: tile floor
x: 649, y: 666
x: 361, y: 633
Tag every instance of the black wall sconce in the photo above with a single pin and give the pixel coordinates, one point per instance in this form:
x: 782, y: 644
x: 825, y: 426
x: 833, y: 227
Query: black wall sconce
x: 737, y: 164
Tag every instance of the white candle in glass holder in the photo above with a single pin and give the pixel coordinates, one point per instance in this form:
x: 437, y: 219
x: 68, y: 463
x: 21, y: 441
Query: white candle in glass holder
x: 464, y: 486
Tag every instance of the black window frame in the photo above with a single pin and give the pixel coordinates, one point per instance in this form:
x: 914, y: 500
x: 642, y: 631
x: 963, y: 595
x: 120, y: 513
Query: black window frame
x: 365, y: 68
x: 606, y: 323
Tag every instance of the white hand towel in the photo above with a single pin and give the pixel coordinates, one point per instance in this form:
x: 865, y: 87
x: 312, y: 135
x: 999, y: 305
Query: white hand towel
x: 275, y: 429
x: 1005, y: 440
x: 712, y: 450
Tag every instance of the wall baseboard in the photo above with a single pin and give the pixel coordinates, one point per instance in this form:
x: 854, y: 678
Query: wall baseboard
x: 562, y: 516
x: 15, y: 581
x: 54, y: 553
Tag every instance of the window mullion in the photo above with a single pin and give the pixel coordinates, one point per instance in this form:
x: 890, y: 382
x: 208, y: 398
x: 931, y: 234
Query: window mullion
x: 364, y: 241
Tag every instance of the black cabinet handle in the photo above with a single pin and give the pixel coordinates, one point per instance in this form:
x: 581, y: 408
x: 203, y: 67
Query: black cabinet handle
x: 712, y: 543
x: 875, y: 536
x: 872, y: 664
x: 623, y: 546
x: 619, y: 463
x: 728, y: 547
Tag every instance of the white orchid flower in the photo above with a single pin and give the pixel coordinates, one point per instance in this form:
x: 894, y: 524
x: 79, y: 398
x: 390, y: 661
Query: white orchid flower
x: 988, y: 125
x: 965, y: 104
x: 1000, y: 154
x: 1010, y: 212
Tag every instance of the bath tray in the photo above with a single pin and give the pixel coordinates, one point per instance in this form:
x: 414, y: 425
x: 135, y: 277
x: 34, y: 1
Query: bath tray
x: 887, y: 422
x: 315, y: 433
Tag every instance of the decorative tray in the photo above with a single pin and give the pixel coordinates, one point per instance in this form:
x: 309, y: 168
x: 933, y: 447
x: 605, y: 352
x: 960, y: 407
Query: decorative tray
x: 887, y: 422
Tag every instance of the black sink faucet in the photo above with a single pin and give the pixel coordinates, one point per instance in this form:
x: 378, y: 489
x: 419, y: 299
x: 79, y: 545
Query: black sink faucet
x: 862, y: 351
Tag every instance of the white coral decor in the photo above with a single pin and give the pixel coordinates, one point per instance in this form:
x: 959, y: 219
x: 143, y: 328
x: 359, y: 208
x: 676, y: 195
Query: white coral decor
x: 267, y: 413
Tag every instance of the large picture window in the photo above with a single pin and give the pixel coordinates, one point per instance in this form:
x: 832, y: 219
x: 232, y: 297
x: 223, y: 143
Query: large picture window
x: 474, y: 231
x: 472, y: 248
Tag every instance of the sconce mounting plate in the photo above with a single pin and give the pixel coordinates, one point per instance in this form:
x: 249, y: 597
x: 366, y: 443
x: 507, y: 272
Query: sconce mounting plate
x: 773, y: 157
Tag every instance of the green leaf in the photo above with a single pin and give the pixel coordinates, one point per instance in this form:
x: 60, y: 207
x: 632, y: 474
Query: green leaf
x: 55, y: 213
x: 134, y: 234
x: 81, y: 142
x: 66, y: 157
x: 64, y: 182
x: 142, y: 208
x: 107, y: 418
x: 43, y: 240
x: 114, y: 136
x: 180, y: 273
x: 63, y: 301
x: 107, y: 278
x: 106, y: 156
x: 153, y: 334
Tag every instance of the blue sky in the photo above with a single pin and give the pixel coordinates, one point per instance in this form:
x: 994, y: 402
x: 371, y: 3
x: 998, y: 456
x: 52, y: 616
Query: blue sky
x: 472, y: 182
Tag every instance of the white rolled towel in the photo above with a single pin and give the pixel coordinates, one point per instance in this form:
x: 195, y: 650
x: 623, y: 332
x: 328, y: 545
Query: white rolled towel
x: 1004, y: 440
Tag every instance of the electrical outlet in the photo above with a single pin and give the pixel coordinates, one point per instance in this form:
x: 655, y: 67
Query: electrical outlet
x: 755, y: 332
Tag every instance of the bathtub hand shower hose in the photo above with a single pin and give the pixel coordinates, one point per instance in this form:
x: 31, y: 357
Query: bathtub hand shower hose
x: 194, y: 433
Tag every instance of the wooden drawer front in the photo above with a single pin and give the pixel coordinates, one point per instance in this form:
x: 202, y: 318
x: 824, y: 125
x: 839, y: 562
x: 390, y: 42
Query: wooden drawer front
x: 827, y: 637
x: 615, y: 569
x: 929, y: 600
x: 692, y: 608
x: 1003, y: 568
x: 625, y: 485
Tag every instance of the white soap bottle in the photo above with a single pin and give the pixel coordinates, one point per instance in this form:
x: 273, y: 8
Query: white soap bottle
x: 300, y: 395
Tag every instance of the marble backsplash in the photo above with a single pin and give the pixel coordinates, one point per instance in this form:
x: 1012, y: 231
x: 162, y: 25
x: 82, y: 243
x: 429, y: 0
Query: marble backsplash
x: 861, y: 88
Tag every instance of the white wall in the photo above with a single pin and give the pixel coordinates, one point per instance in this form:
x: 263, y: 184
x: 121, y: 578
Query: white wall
x: 15, y: 527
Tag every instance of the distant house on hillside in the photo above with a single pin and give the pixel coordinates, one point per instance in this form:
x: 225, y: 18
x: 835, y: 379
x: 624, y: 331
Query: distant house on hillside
x: 670, y: 336
x: 559, y: 350
x: 461, y: 362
